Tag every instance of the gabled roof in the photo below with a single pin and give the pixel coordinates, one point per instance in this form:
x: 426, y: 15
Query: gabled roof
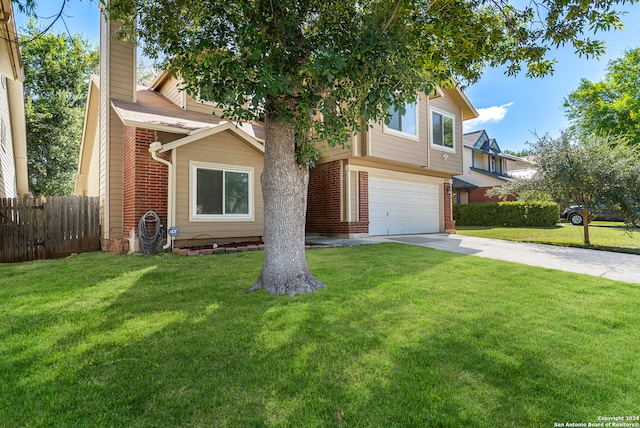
x: 153, y: 111
x: 471, y: 138
x: 468, y: 110
x: 213, y: 130
x: 479, y: 141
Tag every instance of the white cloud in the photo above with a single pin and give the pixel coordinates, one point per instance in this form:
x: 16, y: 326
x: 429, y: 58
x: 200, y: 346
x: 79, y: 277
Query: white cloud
x: 486, y: 115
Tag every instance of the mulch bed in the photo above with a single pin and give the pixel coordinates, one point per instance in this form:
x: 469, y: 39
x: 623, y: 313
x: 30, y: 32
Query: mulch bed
x: 234, y: 247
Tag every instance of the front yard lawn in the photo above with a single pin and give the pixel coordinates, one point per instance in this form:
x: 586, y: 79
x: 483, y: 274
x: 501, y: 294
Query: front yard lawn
x: 403, y: 336
x: 603, y: 236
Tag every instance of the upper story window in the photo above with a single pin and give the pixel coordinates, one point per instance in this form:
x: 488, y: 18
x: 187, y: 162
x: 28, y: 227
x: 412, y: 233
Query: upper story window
x: 406, y: 123
x: 442, y: 130
x: 221, y: 192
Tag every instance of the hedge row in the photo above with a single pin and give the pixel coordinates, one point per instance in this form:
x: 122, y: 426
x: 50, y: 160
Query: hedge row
x: 511, y: 214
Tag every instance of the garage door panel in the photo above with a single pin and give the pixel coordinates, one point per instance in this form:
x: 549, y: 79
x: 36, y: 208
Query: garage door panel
x: 399, y: 207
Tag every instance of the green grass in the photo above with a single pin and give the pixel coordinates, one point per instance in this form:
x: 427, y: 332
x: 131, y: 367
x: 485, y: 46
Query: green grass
x: 602, y: 235
x: 403, y: 336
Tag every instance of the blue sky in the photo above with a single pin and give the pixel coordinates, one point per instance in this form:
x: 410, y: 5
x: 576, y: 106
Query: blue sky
x: 511, y: 108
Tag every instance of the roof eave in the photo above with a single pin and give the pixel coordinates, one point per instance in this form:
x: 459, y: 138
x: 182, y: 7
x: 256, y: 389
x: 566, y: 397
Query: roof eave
x: 208, y: 131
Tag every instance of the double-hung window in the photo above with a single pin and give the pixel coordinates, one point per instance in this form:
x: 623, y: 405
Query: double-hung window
x: 442, y: 128
x: 221, y: 192
x: 405, y: 123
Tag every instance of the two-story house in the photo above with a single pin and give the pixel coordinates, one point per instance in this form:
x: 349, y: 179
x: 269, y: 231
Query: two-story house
x: 156, y: 148
x: 485, y: 167
x: 395, y: 178
x: 13, y: 134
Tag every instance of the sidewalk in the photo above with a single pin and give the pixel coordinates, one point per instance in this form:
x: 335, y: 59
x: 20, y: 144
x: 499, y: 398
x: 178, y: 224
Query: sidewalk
x: 605, y: 264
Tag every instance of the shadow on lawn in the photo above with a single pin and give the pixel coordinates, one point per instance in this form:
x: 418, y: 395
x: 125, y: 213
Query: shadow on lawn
x: 168, y: 344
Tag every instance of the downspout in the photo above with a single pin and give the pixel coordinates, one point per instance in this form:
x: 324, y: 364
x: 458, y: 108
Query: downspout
x: 153, y: 149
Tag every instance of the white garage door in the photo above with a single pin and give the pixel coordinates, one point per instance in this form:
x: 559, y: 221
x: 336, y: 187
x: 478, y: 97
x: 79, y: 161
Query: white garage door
x: 401, y: 207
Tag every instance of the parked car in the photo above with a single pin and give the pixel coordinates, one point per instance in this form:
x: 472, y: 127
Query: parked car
x: 574, y: 217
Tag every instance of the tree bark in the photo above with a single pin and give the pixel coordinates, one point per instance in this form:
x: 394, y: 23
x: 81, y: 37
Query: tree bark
x: 284, y: 189
x: 585, y: 225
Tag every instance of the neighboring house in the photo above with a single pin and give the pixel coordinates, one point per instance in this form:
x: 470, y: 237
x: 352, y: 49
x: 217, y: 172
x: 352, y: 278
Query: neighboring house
x: 156, y: 148
x: 13, y: 134
x: 485, y: 166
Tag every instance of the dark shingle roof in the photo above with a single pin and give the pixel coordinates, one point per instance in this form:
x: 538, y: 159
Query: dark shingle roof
x: 461, y: 184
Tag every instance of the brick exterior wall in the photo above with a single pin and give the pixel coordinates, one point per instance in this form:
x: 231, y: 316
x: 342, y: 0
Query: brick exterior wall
x: 477, y: 196
x: 145, y: 180
x: 449, y: 222
x: 323, y: 204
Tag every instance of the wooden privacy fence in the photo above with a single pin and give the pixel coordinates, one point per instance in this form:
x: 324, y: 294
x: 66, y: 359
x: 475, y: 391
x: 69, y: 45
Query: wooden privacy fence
x: 51, y: 227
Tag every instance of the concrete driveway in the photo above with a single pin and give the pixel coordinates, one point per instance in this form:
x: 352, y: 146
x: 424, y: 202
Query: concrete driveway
x: 605, y: 264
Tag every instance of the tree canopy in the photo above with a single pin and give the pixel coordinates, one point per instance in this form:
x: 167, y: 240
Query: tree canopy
x: 589, y: 170
x: 316, y: 70
x: 351, y: 60
x: 56, y: 73
x: 611, y: 106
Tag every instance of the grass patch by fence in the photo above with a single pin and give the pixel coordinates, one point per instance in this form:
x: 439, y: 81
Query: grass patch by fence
x: 403, y: 336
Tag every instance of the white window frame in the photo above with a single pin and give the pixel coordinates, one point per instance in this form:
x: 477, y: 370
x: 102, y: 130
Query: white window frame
x: 444, y: 114
x: 403, y: 134
x: 194, y: 166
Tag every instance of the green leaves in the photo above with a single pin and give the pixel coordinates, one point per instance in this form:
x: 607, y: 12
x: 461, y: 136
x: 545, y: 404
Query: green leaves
x: 56, y: 71
x: 611, y: 106
x: 289, y: 57
x: 593, y: 171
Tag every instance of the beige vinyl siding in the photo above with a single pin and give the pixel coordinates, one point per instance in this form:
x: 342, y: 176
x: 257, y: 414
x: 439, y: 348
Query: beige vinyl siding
x: 483, y: 180
x: 467, y: 154
x: 385, y: 144
x: 9, y: 55
x: 115, y: 176
x: 332, y: 154
x: 104, y: 125
x: 201, y: 106
x: 117, y: 81
x: 354, y: 196
x: 478, y: 178
x: 122, y: 77
x: 480, y: 161
x: 18, y: 127
x: 170, y: 91
x: 93, y: 176
x: 6, y: 59
x: 167, y: 137
x: 88, y: 167
x: 8, y: 187
x: 452, y: 162
x: 221, y: 149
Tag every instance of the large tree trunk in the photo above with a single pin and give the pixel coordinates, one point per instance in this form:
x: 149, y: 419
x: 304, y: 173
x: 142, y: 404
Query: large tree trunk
x: 284, y: 189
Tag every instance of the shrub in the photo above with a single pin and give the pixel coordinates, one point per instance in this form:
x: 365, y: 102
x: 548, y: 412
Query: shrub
x: 510, y: 214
